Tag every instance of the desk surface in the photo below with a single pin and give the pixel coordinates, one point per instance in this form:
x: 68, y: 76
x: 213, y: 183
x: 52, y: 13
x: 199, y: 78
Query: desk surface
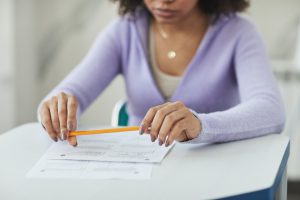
x: 188, y: 172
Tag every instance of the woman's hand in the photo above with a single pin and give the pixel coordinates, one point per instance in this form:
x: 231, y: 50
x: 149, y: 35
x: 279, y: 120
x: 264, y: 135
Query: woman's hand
x: 169, y: 122
x: 58, y: 116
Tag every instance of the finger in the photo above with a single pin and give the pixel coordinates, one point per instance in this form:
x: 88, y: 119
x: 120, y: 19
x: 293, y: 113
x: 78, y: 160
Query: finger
x: 169, y: 121
x: 47, y: 122
x: 146, y: 123
x: 72, y: 141
x: 72, y: 110
x: 159, y: 120
x: 146, y: 132
x: 54, y: 116
x: 178, y: 129
x: 62, y: 115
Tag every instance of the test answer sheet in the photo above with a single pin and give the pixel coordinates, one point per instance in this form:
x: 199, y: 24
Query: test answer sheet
x: 115, y: 147
x: 111, y: 156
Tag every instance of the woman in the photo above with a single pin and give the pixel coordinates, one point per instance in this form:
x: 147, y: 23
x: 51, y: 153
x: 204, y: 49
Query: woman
x: 194, y: 70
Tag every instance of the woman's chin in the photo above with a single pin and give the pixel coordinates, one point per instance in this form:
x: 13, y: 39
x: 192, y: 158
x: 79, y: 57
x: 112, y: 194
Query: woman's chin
x: 166, y: 20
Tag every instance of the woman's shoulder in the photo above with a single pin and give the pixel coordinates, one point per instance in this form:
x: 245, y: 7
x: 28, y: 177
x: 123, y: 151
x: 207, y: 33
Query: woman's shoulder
x: 237, y: 24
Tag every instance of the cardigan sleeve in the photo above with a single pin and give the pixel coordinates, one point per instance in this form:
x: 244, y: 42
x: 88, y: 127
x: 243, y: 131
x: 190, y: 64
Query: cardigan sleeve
x: 260, y: 110
x: 97, y: 69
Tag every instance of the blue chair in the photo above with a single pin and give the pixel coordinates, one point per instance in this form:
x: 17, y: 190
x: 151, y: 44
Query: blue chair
x: 119, y: 114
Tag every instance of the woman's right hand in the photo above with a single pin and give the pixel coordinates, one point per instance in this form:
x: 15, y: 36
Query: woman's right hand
x: 58, y: 116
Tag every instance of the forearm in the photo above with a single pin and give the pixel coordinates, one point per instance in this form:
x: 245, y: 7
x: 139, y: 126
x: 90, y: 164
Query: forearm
x: 249, y: 119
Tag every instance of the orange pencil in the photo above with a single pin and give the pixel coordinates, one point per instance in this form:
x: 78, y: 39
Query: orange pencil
x: 104, y: 131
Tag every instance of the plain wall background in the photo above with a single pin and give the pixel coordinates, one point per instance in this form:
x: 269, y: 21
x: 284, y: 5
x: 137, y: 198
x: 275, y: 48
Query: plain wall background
x: 7, y: 116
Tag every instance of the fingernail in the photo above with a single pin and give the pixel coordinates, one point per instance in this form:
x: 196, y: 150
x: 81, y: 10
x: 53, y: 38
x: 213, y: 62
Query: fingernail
x: 160, y: 142
x: 59, y: 135
x: 60, y: 138
x: 148, y: 130
x: 62, y: 135
x: 66, y: 132
x: 55, y: 139
x: 141, y: 130
x: 167, y: 144
x: 75, y: 145
x: 152, y: 138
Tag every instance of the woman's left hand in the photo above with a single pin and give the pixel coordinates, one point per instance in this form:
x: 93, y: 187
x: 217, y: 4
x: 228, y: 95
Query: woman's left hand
x: 169, y: 122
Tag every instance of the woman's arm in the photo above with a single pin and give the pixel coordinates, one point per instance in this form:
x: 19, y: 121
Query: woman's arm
x: 261, y: 110
x: 259, y: 113
x: 76, y: 92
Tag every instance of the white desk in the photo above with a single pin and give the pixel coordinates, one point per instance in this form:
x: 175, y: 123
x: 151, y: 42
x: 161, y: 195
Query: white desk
x: 249, y: 169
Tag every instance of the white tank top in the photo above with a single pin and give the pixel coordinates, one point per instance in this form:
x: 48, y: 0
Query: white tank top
x: 166, y: 83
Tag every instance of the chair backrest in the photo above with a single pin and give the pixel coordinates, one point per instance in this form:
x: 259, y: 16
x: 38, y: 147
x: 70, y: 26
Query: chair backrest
x: 119, y: 114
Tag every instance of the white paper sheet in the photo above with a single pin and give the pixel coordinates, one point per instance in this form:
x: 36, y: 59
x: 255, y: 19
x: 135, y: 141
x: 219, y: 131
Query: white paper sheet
x: 131, y: 154
x: 71, y: 169
x: 117, y: 147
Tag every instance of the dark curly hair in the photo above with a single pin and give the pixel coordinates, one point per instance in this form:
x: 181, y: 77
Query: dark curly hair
x: 209, y: 7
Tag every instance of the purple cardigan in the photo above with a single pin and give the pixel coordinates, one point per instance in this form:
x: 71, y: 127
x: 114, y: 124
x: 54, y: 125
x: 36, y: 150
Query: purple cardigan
x: 228, y: 84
